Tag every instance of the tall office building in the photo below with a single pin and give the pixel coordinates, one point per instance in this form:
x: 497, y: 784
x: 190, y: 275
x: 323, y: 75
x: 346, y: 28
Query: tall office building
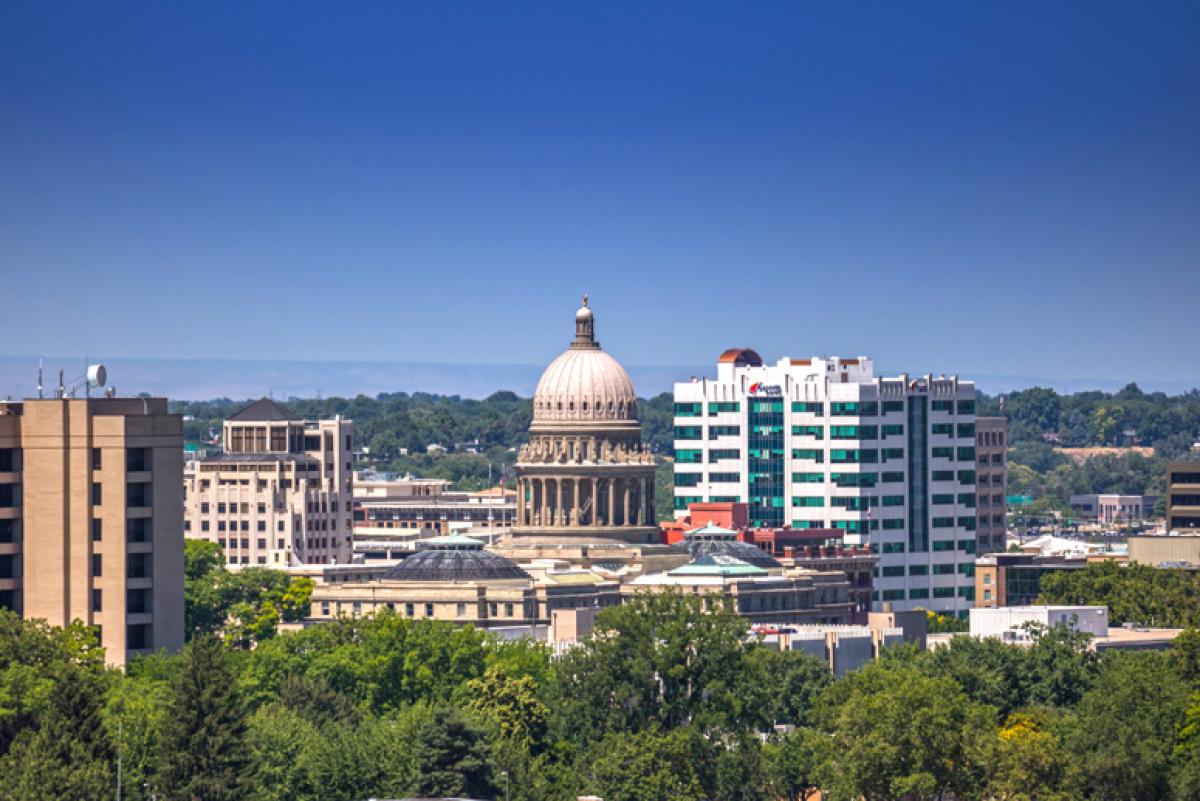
x: 280, y: 494
x: 1183, y: 498
x: 822, y: 442
x: 91, y: 508
x: 991, y: 473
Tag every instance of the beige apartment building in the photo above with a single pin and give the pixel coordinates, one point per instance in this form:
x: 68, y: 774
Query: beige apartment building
x: 991, y: 488
x: 281, y: 492
x: 1183, y: 498
x: 90, y: 515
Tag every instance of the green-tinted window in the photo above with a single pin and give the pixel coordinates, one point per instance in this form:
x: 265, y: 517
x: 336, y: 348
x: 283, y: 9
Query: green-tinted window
x: 966, y: 454
x: 920, y: 593
x: 892, y: 430
x: 808, y: 500
x: 809, y: 455
x: 967, y: 546
x: 943, y: 545
x: 809, y: 407
x: 943, y: 592
x: 967, y: 592
x: 725, y: 478
x: 966, y: 476
x: 942, y: 522
x: 943, y: 570
x: 717, y: 454
x: 723, y: 431
x: 863, y: 456
x: 689, y: 456
x: 967, y: 568
x: 853, y: 526
x: 766, y: 406
x: 893, y: 453
x: 682, y: 501
x: 687, y: 432
x: 854, y: 432
x: 942, y: 428
x: 727, y: 499
x: 966, y: 429
x: 967, y: 499
x: 893, y: 406
x: 688, y: 479
x: 854, y: 409
x: 853, y: 479
x: 808, y: 478
x: 687, y: 409
x: 918, y: 570
x: 807, y: 524
x: 893, y: 595
x: 892, y: 525
x: 942, y: 453
x: 966, y: 407
x: 724, y: 406
x: 942, y: 406
x: 892, y: 478
x: 893, y: 547
x: 893, y: 500
x: 942, y: 500
x: 891, y: 571
x: 942, y: 475
x: 809, y: 431
x: 859, y: 504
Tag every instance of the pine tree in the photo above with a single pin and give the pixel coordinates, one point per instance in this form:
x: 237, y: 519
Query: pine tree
x: 203, y: 750
x: 451, y: 757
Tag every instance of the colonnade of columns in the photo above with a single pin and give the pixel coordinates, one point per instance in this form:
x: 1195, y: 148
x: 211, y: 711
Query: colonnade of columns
x: 585, y: 501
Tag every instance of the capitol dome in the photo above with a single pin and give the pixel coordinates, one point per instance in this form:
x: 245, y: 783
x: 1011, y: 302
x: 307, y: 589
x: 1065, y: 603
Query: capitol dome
x: 454, y: 558
x: 584, y: 384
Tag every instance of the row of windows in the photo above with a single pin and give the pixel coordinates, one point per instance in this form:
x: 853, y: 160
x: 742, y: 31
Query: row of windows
x: 922, y: 593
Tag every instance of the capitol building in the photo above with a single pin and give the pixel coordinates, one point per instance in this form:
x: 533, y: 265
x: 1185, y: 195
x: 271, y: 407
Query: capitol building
x: 585, y: 534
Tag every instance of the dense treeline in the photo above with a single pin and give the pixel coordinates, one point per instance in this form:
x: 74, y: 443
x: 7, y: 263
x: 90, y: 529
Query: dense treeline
x: 1133, y: 593
x: 667, y: 702
x: 1168, y: 423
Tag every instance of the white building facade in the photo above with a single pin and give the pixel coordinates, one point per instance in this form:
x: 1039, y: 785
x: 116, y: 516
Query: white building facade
x: 823, y: 443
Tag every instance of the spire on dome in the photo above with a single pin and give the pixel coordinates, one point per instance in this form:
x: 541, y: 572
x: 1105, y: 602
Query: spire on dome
x: 585, y: 327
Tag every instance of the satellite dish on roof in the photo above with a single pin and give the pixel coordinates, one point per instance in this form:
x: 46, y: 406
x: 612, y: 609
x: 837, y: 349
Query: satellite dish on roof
x: 97, y: 375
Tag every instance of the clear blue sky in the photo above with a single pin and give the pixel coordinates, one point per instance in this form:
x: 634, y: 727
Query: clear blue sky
x: 1001, y: 188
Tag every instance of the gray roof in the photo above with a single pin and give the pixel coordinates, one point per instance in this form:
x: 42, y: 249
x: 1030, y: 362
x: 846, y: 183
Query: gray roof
x: 455, y: 564
x: 260, y: 458
x: 263, y: 410
x: 750, y: 554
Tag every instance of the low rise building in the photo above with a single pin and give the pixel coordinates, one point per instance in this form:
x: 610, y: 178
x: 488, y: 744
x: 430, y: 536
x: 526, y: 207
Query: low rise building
x: 1112, y: 509
x: 280, y: 492
x: 1166, y: 551
x: 1015, y: 579
x: 1011, y: 623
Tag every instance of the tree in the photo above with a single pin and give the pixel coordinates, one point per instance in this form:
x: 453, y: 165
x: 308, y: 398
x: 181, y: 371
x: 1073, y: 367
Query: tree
x: 893, y: 733
x: 649, y: 765
x: 1124, y: 729
x: 1026, y: 761
x: 1185, y: 773
x: 512, y: 704
x: 451, y: 757
x: 203, y: 750
x: 792, y: 764
x: 796, y: 679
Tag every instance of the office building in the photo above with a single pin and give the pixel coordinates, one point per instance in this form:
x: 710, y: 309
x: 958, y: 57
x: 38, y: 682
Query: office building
x: 91, y: 510
x: 1112, y: 509
x: 279, y: 494
x: 991, y: 473
x: 1183, y: 498
x: 1179, y: 550
x: 1015, y: 579
x: 824, y: 443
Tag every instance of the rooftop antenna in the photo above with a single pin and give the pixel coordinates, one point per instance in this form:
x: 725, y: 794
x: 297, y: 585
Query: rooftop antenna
x: 62, y: 387
x: 39, y: 379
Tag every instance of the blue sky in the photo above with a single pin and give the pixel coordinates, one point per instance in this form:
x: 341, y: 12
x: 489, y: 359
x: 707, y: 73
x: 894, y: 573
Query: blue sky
x: 1006, y: 188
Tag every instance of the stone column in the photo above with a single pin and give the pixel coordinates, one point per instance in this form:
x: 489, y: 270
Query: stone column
x: 575, y: 507
x: 612, y: 501
x: 595, y: 501
x: 647, y: 501
x: 562, y: 502
x: 626, y: 491
x: 521, y: 502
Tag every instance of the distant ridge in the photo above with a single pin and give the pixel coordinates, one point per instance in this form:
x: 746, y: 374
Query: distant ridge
x: 205, y: 379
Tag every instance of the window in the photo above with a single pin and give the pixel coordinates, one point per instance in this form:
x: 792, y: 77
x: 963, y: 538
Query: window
x: 943, y: 545
x: 508, y: 610
x: 725, y: 478
x: 97, y: 601
x: 408, y: 609
x: 942, y: 428
x: 893, y: 500
x: 942, y: 475
x: 722, y: 431
x: 943, y: 570
x: 204, y: 507
x: 966, y: 429
x: 723, y: 406
x: 942, y: 522
x: 817, y: 432
x: 892, y: 431
x: 97, y: 494
x: 862, y: 456
x: 809, y: 455
x: 262, y: 544
x: 967, y: 498
x: 966, y: 546
x: 852, y: 409
x: 689, y: 456
x: 987, y: 595
x: 943, y: 592
x: 220, y: 508
x: 853, y: 479
x: 9, y: 462
x: 893, y: 525
x: 854, y: 432
x: 966, y: 407
x: 262, y: 508
x: 808, y: 478
x: 892, y: 478
x: 138, y: 496
x: 893, y: 406
x: 893, y: 547
x: 891, y: 571
x: 918, y: 594
x: 966, y: 454
x: 97, y: 459
x: 137, y: 460
x: 204, y: 525
x: 688, y: 479
x: 966, y: 476
x: 942, y: 453
x: 428, y: 610
x: 97, y: 529
x: 893, y: 453
x: 97, y: 565
x: 943, y: 499
x: 918, y: 570
x: 717, y: 454
x: 942, y: 406
x: 893, y: 595
x: 808, y: 500
x: 261, y: 525
x: 687, y: 409
x: 809, y: 407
